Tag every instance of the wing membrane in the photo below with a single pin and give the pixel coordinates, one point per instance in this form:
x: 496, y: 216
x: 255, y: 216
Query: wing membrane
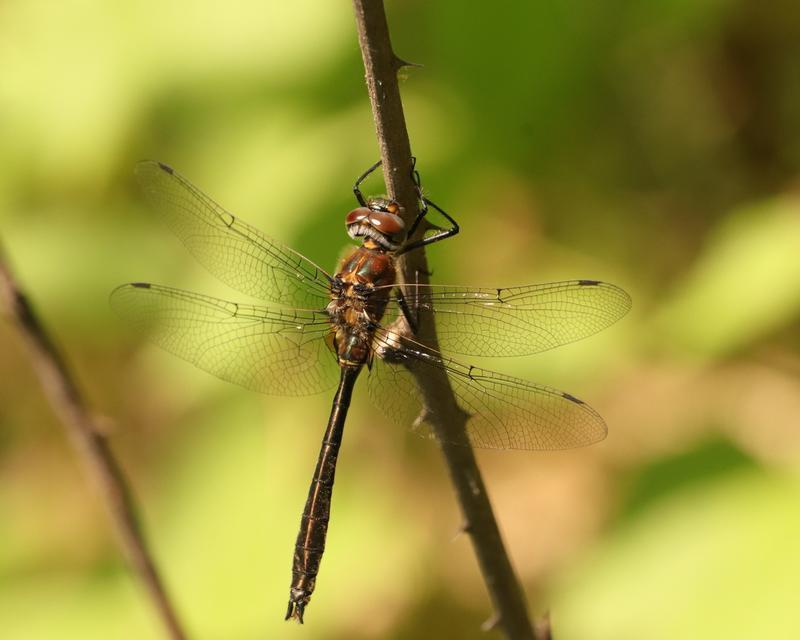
x: 519, y: 320
x: 274, y: 351
x: 238, y: 254
x: 505, y: 412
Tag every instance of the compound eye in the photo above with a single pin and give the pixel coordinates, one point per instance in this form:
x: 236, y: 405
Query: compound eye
x: 357, y: 215
x: 387, y: 223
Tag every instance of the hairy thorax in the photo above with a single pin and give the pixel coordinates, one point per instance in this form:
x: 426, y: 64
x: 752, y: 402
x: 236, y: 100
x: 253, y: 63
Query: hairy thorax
x: 359, y: 297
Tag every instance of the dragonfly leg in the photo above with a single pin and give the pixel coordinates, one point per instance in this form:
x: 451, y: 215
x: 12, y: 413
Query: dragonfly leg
x: 423, y: 210
x: 361, y: 178
x: 423, y: 206
x: 442, y: 234
x: 415, y: 176
x: 411, y: 319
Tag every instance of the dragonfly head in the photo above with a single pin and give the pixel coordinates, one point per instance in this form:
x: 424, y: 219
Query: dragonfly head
x: 379, y: 221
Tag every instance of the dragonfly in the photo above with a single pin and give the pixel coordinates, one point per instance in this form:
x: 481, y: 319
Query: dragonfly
x: 321, y: 330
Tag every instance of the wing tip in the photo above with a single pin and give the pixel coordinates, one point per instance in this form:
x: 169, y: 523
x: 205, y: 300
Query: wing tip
x: 117, y: 294
x: 598, y: 431
x: 131, y: 285
x: 143, y: 166
x: 571, y: 398
x: 624, y: 299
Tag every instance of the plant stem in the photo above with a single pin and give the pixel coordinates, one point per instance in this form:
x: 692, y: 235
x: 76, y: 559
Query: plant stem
x: 448, y: 420
x: 92, y: 447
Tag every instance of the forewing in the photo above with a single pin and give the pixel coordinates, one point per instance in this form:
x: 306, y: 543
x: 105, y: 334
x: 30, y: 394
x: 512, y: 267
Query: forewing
x: 519, y: 320
x: 505, y: 412
x: 274, y: 351
x: 236, y: 253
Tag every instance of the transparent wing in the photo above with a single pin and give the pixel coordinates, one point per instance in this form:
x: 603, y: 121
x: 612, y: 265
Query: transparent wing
x: 516, y: 321
x: 238, y: 254
x: 505, y: 412
x: 274, y: 351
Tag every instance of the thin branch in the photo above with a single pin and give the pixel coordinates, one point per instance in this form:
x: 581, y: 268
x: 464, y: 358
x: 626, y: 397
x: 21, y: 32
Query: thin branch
x: 91, y: 445
x: 449, y: 421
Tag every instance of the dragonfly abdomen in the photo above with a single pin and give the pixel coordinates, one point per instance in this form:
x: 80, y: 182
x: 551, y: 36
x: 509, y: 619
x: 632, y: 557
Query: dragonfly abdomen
x: 310, y: 543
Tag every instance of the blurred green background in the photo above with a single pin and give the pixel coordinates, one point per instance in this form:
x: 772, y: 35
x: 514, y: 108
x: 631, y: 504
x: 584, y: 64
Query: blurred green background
x: 655, y: 145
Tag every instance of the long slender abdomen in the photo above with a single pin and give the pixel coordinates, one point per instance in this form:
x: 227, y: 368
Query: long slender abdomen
x: 310, y: 543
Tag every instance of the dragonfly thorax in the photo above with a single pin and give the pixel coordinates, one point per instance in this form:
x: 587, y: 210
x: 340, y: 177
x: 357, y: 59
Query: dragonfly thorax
x: 359, y: 295
x: 379, y: 221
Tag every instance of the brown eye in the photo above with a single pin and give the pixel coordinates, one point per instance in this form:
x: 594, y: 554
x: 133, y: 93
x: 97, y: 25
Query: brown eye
x: 387, y: 223
x: 392, y: 207
x: 357, y: 215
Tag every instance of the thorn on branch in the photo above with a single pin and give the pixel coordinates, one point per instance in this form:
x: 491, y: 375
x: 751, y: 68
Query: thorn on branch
x: 491, y: 624
x: 464, y: 528
x: 399, y: 63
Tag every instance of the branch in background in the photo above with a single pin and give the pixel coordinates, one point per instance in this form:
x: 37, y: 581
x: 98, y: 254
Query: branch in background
x: 449, y: 421
x: 92, y: 447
